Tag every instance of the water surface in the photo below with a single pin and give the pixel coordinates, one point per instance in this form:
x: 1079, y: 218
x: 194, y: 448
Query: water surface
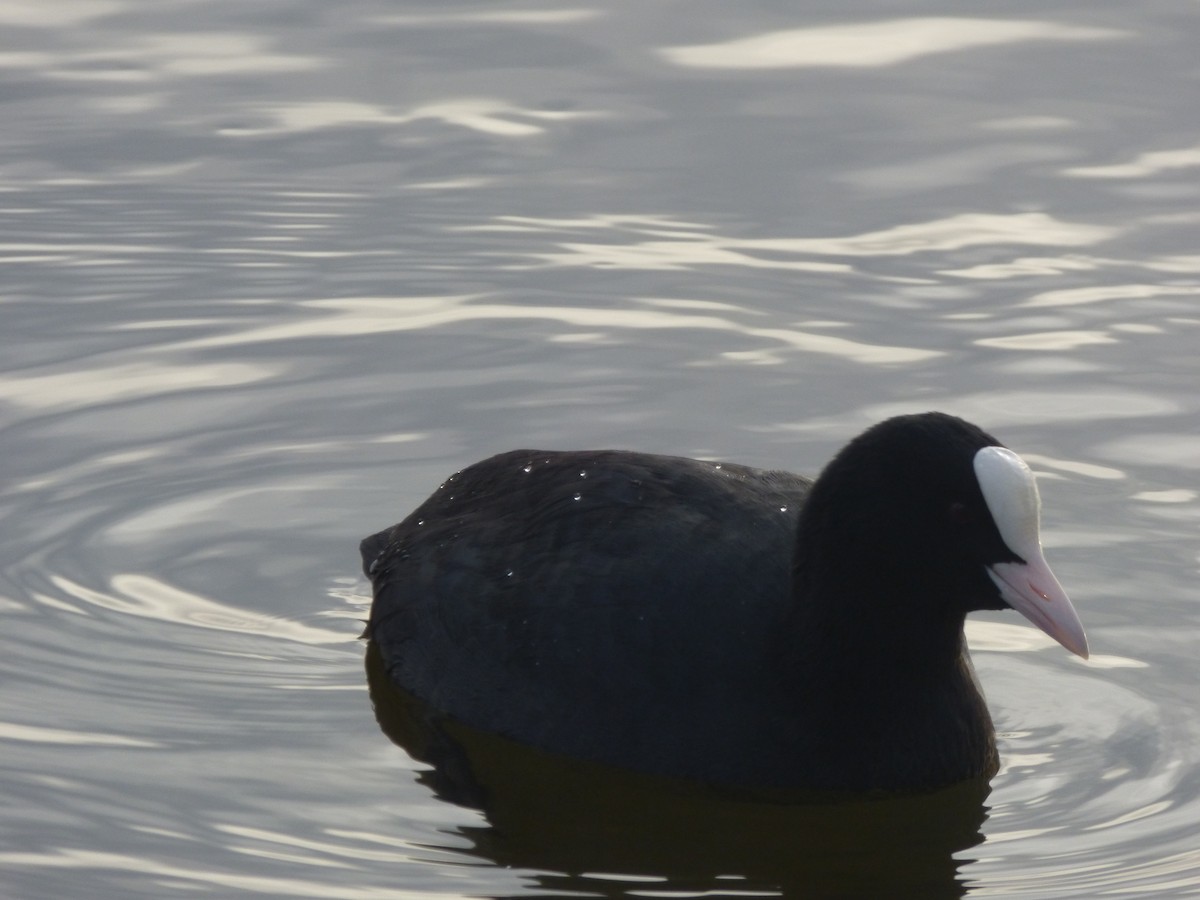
x: 270, y: 273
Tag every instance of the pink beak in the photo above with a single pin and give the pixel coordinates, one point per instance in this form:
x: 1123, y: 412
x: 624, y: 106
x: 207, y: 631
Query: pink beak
x: 1032, y: 590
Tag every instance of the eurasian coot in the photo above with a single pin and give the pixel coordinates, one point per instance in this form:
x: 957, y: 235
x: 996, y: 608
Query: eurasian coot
x: 715, y: 622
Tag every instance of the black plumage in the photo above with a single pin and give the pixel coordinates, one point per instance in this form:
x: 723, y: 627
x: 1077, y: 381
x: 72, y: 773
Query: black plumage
x: 708, y: 620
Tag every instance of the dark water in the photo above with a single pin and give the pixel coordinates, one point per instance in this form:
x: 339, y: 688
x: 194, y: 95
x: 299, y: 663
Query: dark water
x: 269, y: 272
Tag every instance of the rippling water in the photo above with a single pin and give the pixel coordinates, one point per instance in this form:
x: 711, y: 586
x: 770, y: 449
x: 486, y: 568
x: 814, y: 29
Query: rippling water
x: 270, y: 272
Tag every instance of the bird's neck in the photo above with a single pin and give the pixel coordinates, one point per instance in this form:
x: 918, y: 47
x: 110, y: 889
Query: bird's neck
x: 887, y: 691
x: 870, y: 604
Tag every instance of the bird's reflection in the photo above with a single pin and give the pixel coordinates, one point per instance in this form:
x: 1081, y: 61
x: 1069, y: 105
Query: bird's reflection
x: 603, y: 832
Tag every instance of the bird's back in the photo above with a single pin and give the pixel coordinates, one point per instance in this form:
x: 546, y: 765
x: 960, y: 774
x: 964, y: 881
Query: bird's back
x: 536, y: 591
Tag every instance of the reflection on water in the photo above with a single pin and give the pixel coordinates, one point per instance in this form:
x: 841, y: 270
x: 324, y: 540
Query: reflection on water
x: 122, y: 381
x: 874, y: 44
x: 490, y: 117
x: 270, y: 269
x: 1073, y: 296
x: 139, y: 595
x: 683, y: 248
x: 1146, y: 164
x: 604, y: 830
x: 377, y: 315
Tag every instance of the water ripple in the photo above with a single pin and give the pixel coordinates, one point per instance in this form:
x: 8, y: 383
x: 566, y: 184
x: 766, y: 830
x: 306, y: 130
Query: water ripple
x: 692, y: 246
x: 272, y: 270
x: 876, y: 44
x: 379, y: 315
